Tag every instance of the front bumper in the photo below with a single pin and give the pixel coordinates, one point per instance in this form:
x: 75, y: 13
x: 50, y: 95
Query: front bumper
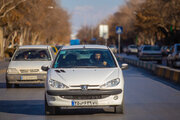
x: 66, y: 98
x: 17, y: 78
x: 85, y: 92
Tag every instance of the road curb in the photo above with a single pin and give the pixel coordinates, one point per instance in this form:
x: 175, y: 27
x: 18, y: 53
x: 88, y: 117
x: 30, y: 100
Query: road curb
x: 159, y: 70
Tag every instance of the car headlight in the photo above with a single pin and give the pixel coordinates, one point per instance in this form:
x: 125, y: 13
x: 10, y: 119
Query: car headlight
x: 12, y: 71
x: 56, y: 84
x: 111, y: 83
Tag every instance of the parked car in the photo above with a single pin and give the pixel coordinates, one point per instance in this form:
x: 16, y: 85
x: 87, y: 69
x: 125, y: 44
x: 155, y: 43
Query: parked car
x: 84, y: 76
x: 113, y: 48
x: 25, y: 65
x: 132, y: 49
x: 173, y: 58
x: 165, y: 50
x: 125, y: 49
x: 150, y: 53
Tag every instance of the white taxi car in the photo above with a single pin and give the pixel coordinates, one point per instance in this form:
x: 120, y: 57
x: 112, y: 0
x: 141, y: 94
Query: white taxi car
x: 84, y: 76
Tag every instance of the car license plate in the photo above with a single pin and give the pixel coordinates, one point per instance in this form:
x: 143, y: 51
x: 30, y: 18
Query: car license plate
x: 85, y: 103
x: 28, y: 77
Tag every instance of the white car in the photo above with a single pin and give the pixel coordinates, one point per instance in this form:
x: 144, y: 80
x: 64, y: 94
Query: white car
x: 84, y: 76
x: 25, y: 65
x: 173, y: 59
x: 132, y: 49
x: 150, y: 53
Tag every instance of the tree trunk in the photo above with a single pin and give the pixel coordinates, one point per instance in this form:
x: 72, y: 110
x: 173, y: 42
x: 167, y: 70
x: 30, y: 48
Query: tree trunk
x: 13, y: 38
x: 34, y: 39
x: 1, y: 43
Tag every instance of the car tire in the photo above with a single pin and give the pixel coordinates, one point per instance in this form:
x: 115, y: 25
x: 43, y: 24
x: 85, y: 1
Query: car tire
x: 49, y: 110
x: 119, y: 109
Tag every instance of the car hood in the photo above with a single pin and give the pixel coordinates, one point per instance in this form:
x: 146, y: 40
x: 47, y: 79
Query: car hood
x: 28, y: 64
x: 72, y: 77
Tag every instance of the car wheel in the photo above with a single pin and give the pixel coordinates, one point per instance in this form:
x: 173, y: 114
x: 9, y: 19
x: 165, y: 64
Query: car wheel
x: 49, y: 110
x: 119, y: 109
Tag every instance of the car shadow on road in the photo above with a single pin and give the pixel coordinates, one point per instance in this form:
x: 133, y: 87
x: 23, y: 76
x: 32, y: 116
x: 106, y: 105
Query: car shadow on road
x: 28, y: 107
x: 3, y: 85
x: 36, y: 107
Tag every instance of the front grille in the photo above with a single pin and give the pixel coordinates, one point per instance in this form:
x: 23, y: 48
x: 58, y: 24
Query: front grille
x: 29, y: 71
x: 85, y: 97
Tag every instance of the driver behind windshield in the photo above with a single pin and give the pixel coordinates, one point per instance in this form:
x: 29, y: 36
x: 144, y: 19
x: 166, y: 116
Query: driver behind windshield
x: 97, y: 59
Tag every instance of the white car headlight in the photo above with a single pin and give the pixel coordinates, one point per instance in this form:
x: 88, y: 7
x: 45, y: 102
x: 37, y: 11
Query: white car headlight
x: 12, y: 71
x: 56, y: 84
x: 111, y: 83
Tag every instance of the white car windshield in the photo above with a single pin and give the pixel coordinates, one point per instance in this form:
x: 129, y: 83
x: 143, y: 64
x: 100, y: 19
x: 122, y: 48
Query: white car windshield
x: 32, y: 55
x: 152, y: 48
x: 84, y: 58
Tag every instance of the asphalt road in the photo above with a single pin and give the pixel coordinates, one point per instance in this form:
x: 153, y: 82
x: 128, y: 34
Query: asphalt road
x: 147, y: 97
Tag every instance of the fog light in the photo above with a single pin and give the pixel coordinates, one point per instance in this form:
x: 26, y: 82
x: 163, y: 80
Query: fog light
x: 52, y: 99
x: 115, y: 97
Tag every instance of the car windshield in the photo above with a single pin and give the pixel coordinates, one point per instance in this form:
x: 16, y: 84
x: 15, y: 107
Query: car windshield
x: 84, y: 58
x: 112, y: 46
x: 32, y: 55
x: 152, y: 48
x: 133, y: 46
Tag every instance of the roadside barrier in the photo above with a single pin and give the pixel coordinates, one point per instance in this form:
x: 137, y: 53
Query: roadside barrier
x: 159, y: 70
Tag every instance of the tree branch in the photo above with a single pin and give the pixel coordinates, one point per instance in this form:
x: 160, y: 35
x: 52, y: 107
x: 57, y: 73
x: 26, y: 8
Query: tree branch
x: 4, y: 14
x: 6, y: 4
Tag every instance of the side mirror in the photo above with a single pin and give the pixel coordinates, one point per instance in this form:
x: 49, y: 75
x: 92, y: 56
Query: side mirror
x: 45, y: 68
x: 124, y: 66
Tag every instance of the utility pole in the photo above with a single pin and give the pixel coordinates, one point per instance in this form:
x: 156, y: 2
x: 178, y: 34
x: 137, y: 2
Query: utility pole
x: 119, y: 43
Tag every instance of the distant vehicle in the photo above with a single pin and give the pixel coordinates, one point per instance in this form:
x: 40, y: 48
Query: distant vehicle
x: 55, y: 50
x: 113, y: 48
x: 84, y: 76
x: 125, y: 49
x: 150, y: 53
x: 25, y: 65
x: 132, y: 49
x: 173, y: 58
x: 165, y: 50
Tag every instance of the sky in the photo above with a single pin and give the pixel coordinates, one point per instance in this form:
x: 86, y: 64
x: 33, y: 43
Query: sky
x: 89, y: 12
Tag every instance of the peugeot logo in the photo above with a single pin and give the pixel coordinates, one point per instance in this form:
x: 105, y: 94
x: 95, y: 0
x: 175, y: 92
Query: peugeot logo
x: 84, y: 87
